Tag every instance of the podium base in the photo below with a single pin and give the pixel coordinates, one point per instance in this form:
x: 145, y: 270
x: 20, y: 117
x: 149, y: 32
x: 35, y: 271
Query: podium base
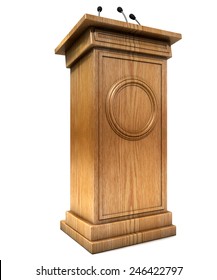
x: 103, y: 237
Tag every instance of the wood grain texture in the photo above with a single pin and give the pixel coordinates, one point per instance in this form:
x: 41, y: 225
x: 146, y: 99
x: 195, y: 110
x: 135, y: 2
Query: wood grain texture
x: 129, y: 42
x: 119, y: 241
x: 79, y: 48
x: 84, y: 138
x: 118, y: 76
x: 125, y: 105
x: 109, y: 24
x: 130, y: 173
x: 121, y: 177
x: 99, y: 38
x: 95, y: 232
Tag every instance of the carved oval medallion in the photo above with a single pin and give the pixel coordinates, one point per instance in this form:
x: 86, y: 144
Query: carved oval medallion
x: 131, y: 109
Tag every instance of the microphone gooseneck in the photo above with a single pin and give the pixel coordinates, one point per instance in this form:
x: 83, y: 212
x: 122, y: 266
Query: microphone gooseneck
x: 134, y: 18
x: 120, y: 10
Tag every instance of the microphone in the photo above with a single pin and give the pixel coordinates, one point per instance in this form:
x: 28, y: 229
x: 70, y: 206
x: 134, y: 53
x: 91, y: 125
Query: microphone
x: 99, y: 10
x: 120, y: 10
x: 134, y: 18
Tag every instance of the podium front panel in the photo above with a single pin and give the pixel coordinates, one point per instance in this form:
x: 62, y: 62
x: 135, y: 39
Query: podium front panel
x: 132, y: 135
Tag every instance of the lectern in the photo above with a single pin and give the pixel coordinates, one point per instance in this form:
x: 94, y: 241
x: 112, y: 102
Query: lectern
x: 118, y: 78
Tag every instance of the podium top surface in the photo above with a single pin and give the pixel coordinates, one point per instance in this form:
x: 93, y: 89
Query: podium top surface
x: 95, y: 21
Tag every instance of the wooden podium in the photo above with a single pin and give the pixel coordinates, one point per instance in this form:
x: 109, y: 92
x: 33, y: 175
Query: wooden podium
x: 118, y: 133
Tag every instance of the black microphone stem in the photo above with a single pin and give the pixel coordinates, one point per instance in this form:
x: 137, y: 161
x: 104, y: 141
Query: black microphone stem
x: 134, y: 18
x: 120, y: 10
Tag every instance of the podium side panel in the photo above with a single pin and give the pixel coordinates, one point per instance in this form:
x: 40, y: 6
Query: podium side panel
x: 84, y: 138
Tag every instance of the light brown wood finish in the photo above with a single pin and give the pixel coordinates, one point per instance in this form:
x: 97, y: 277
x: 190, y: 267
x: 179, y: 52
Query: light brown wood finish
x: 119, y: 241
x: 84, y: 138
x: 118, y: 228
x: 130, y: 170
x: 118, y: 133
x: 93, y: 38
x: 106, y: 23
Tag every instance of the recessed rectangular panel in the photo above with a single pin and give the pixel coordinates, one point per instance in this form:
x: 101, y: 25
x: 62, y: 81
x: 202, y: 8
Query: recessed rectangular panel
x: 130, y: 134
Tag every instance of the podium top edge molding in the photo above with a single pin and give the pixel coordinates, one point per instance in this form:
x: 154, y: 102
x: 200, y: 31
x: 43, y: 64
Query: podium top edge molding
x: 110, y: 24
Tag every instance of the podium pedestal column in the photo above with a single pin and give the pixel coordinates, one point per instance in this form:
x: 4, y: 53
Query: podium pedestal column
x: 118, y: 133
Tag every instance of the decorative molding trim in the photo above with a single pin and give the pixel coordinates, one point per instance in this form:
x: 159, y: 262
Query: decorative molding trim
x: 139, y: 44
x: 110, y: 104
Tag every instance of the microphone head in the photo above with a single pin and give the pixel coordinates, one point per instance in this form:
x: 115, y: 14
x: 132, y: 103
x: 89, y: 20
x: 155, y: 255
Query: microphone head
x: 119, y: 9
x: 99, y: 9
x: 132, y: 16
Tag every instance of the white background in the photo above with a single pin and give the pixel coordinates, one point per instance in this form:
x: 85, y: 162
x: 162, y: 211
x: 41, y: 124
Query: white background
x: 34, y: 139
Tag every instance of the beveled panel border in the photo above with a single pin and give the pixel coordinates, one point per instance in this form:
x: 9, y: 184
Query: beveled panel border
x: 115, y: 89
